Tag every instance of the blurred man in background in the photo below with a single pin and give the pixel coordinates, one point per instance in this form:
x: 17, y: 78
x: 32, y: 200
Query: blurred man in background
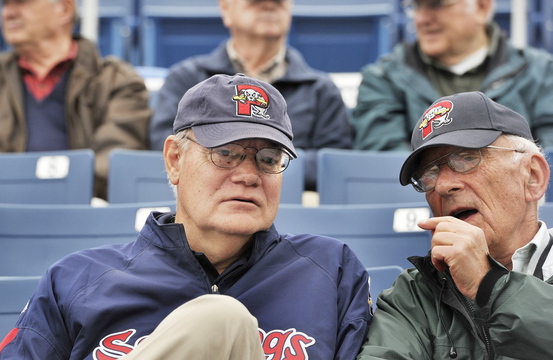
x: 458, y: 48
x: 57, y: 93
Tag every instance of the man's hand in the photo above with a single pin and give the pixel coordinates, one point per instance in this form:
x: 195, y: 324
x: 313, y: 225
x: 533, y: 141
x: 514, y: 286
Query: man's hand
x: 463, y: 248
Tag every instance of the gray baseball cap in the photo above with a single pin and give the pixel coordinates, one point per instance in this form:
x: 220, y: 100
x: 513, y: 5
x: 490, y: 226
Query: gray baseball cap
x: 227, y: 108
x: 469, y: 120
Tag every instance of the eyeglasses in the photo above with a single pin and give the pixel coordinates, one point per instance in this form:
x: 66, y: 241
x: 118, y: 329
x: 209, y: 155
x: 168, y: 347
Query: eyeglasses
x: 268, y: 160
x: 460, y: 161
x: 411, y: 6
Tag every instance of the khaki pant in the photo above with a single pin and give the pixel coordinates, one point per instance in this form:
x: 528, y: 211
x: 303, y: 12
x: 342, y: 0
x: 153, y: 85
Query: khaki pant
x: 210, y: 327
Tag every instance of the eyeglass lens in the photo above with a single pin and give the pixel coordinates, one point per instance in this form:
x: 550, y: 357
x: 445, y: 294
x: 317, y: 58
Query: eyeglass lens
x: 269, y: 160
x: 461, y: 161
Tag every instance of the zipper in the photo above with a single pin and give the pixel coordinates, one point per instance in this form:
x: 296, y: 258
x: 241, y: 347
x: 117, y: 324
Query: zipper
x: 480, y: 329
x: 214, y: 289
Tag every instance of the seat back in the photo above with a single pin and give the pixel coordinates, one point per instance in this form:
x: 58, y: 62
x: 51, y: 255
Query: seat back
x: 293, y: 180
x: 32, y: 237
x: 54, y: 177
x: 362, y: 177
x: 14, y: 292
x: 137, y: 176
x: 173, y: 30
x: 382, y: 278
x: 359, y: 30
x: 380, y: 235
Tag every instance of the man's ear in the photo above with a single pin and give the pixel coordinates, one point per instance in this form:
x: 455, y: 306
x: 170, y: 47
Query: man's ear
x: 538, y: 179
x: 67, y: 12
x: 224, y: 7
x: 171, y: 155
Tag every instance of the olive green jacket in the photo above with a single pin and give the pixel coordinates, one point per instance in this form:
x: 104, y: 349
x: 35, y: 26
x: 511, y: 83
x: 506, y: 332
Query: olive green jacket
x: 424, y: 316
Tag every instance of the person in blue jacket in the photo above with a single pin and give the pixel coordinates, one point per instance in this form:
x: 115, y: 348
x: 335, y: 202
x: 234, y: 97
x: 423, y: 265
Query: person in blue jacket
x: 257, y: 47
x: 306, y: 296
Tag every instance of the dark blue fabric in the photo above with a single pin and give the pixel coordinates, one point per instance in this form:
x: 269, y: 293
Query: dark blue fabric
x: 46, y: 126
x: 310, y: 289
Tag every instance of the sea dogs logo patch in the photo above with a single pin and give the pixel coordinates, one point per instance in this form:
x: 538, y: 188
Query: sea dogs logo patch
x: 285, y: 345
x: 435, y: 117
x: 114, y: 346
x: 251, y: 101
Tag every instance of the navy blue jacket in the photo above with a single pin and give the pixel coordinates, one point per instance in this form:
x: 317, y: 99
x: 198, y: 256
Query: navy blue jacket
x: 318, y: 114
x: 309, y: 292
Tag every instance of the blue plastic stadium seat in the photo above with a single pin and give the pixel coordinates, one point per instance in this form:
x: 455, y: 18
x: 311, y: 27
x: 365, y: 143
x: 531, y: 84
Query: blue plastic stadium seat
x: 382, y: 278
x: 32, y: 237
x: 362, y: 177
x: 380, y: 235
x: 56, y: 177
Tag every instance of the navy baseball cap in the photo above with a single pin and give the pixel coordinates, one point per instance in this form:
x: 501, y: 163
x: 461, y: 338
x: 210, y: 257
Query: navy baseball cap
x: 227, y: 108
x: 470, y: 120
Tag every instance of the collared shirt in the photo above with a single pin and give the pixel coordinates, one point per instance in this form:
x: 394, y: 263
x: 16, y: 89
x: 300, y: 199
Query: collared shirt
x: 466, y: 76
x: 40, y: 88
x: 273, y: 70
x: 526, y: 258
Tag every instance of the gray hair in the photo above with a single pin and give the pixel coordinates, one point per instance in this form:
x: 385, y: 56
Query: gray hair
x: 181, y: 140
x: 529, y: 147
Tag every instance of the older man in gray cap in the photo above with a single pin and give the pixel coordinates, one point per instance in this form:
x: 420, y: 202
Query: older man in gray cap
x: 483, y: 291
x: 223, y: 283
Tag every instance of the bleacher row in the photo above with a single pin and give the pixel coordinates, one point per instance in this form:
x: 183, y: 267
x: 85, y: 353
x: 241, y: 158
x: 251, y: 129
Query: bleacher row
x: 361, y: 203
x: 334, y: 36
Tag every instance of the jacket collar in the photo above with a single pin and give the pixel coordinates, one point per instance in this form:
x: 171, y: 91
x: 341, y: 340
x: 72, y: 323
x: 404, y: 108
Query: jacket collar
x: 297, y: 71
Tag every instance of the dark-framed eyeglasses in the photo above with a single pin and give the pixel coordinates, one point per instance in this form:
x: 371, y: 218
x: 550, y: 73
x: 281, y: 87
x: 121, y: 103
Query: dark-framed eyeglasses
x: 268, y: 160
x: 461, y: 161
x: 411, y: 6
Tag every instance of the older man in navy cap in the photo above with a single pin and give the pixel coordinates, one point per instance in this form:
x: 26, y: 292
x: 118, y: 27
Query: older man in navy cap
x: 483, y: 291
x: 216, y: 276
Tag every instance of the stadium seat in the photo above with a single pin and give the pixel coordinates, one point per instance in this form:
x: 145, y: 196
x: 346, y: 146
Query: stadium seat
x: 14, y: 292
x: 172, y: 30
x: 380, y: 235
x: 362, y: 177
x: 56, y: 177
x: 382, y: 278
x: 342, y: 36
x: 139, y: 176
x: 32, y: 237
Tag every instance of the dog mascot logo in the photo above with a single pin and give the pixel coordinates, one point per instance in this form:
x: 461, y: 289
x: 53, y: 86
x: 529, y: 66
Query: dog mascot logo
x: 436, y: 117
x: 251, y: 101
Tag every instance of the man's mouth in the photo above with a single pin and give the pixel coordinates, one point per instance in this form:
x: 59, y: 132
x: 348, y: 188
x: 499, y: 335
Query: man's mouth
x: 464, y: 214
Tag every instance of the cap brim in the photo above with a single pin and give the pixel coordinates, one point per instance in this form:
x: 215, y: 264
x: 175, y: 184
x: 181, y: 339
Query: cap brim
x: 472, y: 139
x: 213, y: 135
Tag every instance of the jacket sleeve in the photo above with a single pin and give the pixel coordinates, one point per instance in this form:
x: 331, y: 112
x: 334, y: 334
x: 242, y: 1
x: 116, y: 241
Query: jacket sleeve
x: 380, y: 117
x: 40, y: 330
x: 122, y: 119
x: 540, y: 109
x: 353, y: 307
x: 519, y: 316
x: 399, y: 329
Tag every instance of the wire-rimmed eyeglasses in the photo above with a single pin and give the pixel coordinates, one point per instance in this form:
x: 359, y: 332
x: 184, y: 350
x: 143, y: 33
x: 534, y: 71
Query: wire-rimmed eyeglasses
x: 269, y: 160
x: 411, y: 6
x: 462, y: 160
